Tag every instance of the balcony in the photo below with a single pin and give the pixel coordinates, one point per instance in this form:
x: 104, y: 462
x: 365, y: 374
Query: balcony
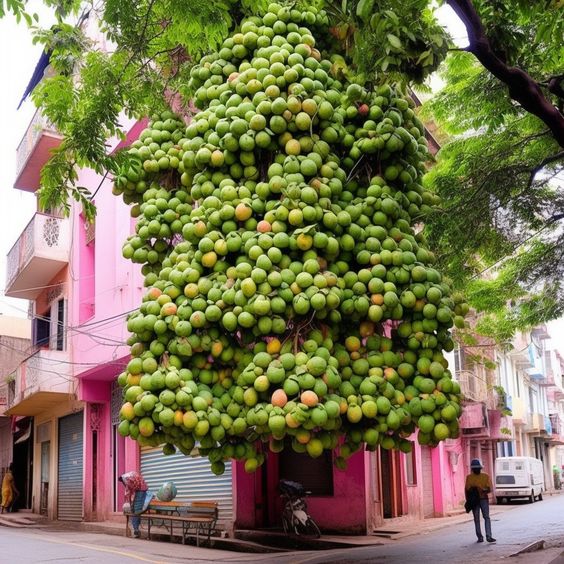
x: 557, y: 429
x: 523, y: 358
x: 34, y: 151
x: 519, y: 411
x: 474, y: 421
x: 537, y: 424
x: 42, y: 381
x: 4, y: 397
x: 555, y: 394
x: 473, y: 387
x: 37, y: 256
x: 548, y: 378
x: 479, y: 422
x: 501, y: 426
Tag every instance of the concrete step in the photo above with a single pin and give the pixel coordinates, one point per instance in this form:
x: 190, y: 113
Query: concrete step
x: 7, y: 520
x: 279, y: 539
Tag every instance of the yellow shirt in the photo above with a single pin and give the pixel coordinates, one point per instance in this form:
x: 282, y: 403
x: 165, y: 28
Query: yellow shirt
x: 7, y: 489
x: 481, y: 481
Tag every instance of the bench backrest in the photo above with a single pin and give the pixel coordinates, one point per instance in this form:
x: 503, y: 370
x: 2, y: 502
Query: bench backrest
x: 203, y: 508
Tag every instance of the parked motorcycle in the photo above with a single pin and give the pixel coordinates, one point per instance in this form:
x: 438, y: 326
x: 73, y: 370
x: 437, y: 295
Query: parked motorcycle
x: 295, y: 518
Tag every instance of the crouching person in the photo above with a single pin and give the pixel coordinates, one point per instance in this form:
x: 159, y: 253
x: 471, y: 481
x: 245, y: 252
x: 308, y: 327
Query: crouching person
x: 137, y: 496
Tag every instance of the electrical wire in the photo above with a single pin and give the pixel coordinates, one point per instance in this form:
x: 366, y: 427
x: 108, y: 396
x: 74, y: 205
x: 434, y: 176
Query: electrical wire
x: 98, y: 324
x: 56, y: 361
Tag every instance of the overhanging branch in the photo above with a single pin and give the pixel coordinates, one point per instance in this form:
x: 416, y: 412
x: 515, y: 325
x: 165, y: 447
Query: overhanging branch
x: 546, y: 161
x: 522, y: 87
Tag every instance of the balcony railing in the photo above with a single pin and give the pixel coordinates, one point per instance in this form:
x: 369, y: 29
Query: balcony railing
x: 536, y: 423
x: 548, y: 379
x: 556, y: 429
x: 555, y: 423
x: 41, y: 381
x: 4, y: 395
x: 472, y: 386
x: 34, y: 151
x: 520, y: 414
x: 39, y: 253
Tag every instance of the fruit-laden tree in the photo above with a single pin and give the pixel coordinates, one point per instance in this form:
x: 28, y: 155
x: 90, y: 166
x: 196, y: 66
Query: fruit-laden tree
x: 290, y: 300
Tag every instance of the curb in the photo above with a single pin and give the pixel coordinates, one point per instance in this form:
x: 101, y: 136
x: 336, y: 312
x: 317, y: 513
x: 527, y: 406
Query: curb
x: 534, y: 546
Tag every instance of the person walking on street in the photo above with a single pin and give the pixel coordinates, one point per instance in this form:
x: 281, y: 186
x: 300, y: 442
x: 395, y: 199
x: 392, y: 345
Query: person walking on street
x: 9, y: 490
x: 135, y: 494
x: 478, y: 486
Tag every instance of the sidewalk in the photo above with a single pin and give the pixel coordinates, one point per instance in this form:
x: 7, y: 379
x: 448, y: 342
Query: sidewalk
x: 270, y: 541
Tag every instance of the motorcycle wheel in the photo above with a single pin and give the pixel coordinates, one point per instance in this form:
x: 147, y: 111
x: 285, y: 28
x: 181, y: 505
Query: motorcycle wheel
x: 286, y: 524
x: 308, y: 529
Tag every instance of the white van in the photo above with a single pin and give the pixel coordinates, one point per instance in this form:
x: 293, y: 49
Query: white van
x: 518, y: 476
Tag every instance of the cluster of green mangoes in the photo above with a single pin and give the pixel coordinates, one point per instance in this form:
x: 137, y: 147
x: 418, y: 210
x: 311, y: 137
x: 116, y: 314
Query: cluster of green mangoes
x: 290, y: 301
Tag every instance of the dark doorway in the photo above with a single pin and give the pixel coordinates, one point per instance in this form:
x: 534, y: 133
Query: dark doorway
x: 391, y: 484
x: 23, y: 463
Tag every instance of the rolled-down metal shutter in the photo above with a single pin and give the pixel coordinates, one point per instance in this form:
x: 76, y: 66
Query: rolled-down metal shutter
x: 427, y: 476
x: 70, y: 487
x: 193, y: 478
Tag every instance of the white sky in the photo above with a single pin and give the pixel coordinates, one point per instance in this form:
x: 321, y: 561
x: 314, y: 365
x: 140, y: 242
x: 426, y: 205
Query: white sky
x: 16, y: 67
x: 17, y: 63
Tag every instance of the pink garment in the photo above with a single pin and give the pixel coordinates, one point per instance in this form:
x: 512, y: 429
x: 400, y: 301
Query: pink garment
x: 133, y: 482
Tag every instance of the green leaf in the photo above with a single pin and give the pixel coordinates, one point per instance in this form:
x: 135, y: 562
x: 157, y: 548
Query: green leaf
x: 394, y: 41
x: 364, y: 9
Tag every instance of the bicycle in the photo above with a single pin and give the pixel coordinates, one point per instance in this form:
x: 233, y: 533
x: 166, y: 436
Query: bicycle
x: 295, y: 518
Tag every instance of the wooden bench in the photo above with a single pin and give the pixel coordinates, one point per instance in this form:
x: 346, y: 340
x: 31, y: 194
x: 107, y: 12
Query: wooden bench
x: 199, y: 517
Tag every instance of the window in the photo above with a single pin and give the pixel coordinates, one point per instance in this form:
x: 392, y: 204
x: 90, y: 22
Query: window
x: 505, y: 480
x: 48, y: 329
x: 41, y: 329
x: 315, y: 474
x: 458, y: 359
x: 60, y: 331
x: 411, y: 474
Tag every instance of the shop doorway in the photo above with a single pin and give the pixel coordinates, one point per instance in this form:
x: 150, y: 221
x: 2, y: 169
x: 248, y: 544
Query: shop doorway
x: 45, y: 457
x: 23, y: 462
x: 391, y: 484
x: 70, y: 468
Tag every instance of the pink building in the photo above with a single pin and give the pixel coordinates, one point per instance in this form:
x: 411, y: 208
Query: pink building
x: 65, y: 402
x: 80, y: 291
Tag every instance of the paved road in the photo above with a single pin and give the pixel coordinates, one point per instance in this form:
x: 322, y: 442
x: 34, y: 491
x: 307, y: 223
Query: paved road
x: 514, y: 529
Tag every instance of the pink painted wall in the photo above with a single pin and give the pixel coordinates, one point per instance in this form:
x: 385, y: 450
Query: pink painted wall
x: 449, y: 473
x: 243, y: 497
x: 113, y: 284
x: 87, y: 280
x: 103, y: 287
x: 93, y: 391
x: 345, y: 511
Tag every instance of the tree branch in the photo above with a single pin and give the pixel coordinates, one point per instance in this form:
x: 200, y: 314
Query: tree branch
x: 542, y: 164
x: 555, y: 218
x: 555, y: 86
x: 522, y: 87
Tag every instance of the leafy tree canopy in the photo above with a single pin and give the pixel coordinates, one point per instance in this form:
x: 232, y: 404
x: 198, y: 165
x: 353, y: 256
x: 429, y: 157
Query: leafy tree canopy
x: 500, y: 173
